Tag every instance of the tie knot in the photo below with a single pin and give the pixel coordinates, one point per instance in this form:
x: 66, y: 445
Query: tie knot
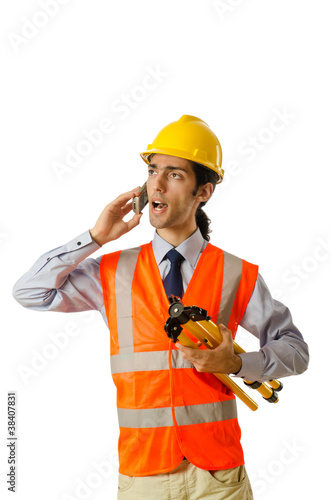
x: 173, y: 283
x: 174, y: 256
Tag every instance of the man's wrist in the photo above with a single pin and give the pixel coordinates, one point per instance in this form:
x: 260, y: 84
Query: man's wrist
x: 95, y: 237
x: 237, y: 364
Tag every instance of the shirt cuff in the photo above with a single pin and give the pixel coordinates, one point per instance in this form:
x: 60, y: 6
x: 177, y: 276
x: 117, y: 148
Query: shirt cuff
x: 75, y: 251
x: 252, y: 366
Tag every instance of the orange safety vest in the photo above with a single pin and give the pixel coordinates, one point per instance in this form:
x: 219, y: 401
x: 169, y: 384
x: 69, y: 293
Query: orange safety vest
x: 166, y: 408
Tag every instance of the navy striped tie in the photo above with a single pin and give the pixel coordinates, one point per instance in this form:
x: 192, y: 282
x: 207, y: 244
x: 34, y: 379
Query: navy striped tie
x: 173, y: 283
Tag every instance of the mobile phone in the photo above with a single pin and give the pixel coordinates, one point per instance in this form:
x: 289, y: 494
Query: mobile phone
x: 139, y: 202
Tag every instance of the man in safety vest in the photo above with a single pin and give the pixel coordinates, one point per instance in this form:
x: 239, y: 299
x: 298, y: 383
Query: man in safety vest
x: 179, y: 434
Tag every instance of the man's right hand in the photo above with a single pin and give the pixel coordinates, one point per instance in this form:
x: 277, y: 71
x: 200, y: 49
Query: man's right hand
x: 110, y: 224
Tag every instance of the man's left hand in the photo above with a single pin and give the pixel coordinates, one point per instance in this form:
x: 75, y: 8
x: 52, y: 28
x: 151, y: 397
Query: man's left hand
x: 222, y: 359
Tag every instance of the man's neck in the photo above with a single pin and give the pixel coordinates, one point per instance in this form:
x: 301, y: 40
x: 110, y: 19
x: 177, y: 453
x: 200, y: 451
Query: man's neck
x: 175, y: 238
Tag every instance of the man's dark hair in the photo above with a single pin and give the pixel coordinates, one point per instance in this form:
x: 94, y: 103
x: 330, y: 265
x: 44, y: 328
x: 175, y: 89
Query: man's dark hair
x: 203, y: 175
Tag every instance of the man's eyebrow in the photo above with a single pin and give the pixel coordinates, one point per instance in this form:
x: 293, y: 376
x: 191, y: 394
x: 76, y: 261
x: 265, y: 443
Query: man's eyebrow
x: 168, y: 167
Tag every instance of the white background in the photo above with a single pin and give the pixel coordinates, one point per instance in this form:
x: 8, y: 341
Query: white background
x: 238, y: 66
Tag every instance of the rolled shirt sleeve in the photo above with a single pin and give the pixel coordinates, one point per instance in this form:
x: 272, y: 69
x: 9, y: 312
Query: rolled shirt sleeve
x: 63, y: 279
x: 283, y: 352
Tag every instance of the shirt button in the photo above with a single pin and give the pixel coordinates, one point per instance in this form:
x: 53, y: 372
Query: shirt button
x: 79, y: 242
x: 48, y: 258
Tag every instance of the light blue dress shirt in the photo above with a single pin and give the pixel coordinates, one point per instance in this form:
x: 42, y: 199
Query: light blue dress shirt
x: 66, y: 279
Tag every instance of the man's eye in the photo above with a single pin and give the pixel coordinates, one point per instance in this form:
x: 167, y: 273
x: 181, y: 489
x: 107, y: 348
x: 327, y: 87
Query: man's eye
x: 151, y: 171
x: 174, y: 175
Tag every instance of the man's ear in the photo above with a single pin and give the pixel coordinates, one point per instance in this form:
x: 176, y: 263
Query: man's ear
x: 205, y: 192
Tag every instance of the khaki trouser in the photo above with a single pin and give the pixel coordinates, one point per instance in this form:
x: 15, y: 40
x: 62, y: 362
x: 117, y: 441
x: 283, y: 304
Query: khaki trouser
x: 187, y: 482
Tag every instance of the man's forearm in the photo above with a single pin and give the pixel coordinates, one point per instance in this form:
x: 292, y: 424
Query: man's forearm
x: 62, y: 279
x: 283, y: 351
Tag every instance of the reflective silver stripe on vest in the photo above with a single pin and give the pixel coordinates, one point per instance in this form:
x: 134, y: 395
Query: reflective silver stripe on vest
x: 231, y: 279
x: 147, y: 361
x: 209, y: 412
x: 123, y: 285
x: 185, y: 415
x: 139, y: 419
x: 178, y: 361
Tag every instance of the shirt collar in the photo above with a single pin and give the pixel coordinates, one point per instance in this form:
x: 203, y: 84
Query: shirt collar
x: 190, y: 249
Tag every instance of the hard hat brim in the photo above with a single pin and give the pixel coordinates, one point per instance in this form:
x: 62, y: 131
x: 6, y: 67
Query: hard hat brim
x: 197, y: 158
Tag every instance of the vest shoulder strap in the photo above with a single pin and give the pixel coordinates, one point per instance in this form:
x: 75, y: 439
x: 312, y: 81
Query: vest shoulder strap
x: 239, y: 278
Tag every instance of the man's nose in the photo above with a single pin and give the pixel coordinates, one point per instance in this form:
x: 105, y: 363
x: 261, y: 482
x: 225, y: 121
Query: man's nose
x: 158, y: 183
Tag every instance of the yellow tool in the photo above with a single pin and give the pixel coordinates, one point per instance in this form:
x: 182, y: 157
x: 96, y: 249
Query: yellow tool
x: 199, y: 324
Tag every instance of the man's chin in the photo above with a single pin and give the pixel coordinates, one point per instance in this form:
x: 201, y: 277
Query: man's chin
x: 157, y: 223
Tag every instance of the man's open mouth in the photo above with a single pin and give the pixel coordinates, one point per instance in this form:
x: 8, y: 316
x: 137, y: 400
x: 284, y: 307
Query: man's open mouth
x: 158, y: 206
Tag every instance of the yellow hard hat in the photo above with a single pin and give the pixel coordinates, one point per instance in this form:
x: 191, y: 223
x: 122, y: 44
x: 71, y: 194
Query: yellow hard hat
x: 189, y: 138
